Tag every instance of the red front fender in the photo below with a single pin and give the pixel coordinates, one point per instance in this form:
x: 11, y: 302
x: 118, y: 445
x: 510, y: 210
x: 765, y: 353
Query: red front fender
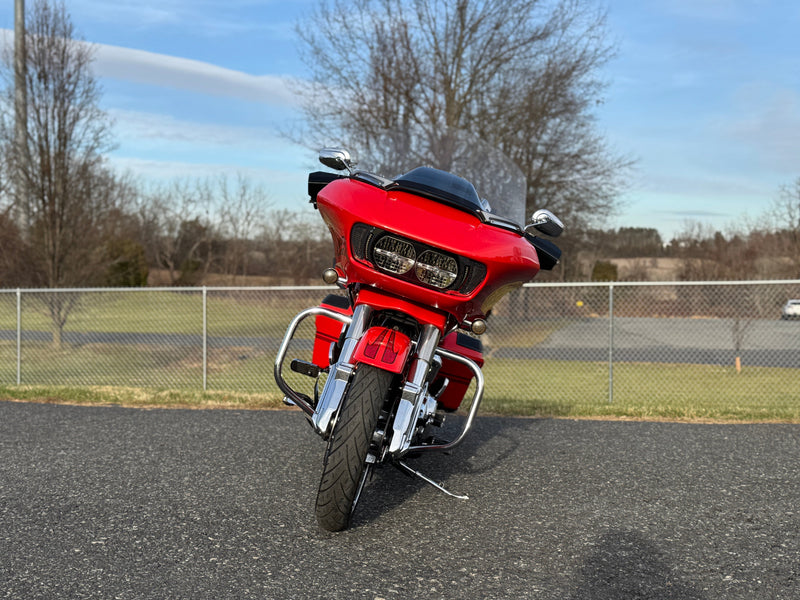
x: 383, y: 348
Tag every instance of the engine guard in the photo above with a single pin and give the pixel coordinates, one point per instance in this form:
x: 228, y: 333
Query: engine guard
x: 301, y: 400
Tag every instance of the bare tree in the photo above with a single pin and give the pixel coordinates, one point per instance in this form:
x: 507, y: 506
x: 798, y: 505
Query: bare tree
x: 241, y: 211
x: 14, y: 253
x: 178, y: 229
x: 785, y: 213
x: 297, y: 246
x: 519, y: 74
x: 67, y: 135
x: 66, y: 186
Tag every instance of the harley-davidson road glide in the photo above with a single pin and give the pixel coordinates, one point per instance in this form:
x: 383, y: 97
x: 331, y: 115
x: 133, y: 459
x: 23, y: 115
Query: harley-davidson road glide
x: 423, y: 259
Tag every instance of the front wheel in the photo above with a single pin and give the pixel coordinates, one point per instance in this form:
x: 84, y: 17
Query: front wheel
x: 344, y: 469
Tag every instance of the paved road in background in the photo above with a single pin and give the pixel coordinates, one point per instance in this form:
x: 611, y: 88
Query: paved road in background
x: 767, y: 343
x: 770, y: 343
x: 126, y: 503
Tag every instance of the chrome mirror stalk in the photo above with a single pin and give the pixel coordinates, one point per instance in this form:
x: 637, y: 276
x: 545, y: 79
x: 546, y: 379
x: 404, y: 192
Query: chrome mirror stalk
x: 546, y: 222
x: 338, y: 159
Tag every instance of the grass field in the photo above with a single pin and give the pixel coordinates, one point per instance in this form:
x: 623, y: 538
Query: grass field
x: 513, y: 388
x: 642, y: 391
x: 176, y: 312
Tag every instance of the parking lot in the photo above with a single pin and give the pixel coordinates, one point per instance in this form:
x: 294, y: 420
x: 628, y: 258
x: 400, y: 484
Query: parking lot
x: 126, y: 503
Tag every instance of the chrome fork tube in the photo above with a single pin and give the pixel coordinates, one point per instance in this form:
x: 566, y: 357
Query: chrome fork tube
x: 414, y: 391
x: 360, y: 319
x: 426, y: 348
x: 339, y: 377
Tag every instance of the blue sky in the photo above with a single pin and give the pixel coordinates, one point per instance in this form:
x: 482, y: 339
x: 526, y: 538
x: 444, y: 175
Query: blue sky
x: 704, y: 94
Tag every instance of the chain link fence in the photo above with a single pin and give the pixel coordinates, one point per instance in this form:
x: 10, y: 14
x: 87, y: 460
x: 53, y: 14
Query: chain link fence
x: 546, y: 342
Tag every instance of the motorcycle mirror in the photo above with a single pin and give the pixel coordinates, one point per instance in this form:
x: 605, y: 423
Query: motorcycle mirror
x: 336, y: 158
x: 546, y: 222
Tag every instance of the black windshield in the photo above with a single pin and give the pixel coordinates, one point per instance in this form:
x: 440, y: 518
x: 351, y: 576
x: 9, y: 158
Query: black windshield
x: 440, y: 185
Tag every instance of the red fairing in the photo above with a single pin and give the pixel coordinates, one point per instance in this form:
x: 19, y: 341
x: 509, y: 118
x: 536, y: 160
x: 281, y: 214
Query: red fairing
x: 384, y: 348
x: 381, y: 301
x: 509, y: 259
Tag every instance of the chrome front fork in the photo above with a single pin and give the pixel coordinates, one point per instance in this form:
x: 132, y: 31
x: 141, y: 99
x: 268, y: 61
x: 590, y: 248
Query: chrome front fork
x: 414, y: 395
x: 415, y: 402
x: 339, y: 377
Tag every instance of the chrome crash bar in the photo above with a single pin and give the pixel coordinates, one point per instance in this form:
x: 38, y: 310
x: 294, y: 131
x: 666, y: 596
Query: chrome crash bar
x: 473, y: 409
x: 301, y: 400
x: 330, y: 400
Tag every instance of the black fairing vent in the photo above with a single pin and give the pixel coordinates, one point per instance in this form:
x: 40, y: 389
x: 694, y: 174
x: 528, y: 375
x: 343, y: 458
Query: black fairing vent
x: 548, y: 253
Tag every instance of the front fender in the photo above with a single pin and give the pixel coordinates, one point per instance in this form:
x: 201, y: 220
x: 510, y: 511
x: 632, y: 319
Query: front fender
x: 383, y: 348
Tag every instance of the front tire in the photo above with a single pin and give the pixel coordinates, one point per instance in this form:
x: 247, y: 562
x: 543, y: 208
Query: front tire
x: 344, y: 468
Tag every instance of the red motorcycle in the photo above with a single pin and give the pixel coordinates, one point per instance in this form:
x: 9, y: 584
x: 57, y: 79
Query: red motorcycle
x: 423, y: 260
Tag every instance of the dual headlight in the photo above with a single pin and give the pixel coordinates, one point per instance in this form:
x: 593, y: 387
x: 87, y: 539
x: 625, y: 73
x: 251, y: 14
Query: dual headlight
x: 415, y: 262
x: 399, y: 257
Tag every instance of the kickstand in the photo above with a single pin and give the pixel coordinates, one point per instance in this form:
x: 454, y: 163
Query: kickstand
x: 409, y: 471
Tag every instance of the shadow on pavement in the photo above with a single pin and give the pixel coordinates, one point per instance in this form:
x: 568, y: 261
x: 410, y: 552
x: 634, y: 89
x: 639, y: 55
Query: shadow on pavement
x: 627, y: 565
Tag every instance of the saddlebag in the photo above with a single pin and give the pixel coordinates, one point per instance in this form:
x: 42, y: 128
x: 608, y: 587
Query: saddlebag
x: 329, y: 330
x: 459, y: 374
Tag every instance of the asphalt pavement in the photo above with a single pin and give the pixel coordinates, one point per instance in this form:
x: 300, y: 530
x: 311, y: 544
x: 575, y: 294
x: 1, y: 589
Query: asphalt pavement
x: 105, y: 502
x: 762, y: 342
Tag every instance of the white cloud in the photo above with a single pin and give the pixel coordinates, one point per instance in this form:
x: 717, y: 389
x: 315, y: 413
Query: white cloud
x: 162, y: 137
x: 160, y: 170
x: 183, y: 73
x: 284, y: 188
x: 160, y: 148
x: 141, y: 66
x: 150, y: 126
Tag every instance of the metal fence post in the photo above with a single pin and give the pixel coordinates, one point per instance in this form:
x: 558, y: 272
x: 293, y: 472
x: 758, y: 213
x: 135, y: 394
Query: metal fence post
x: 205, y: 338
x: 19, y: 336
x: 610, y: 343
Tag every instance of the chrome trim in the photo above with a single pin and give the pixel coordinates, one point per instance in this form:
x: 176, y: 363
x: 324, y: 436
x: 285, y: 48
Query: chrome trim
x: 498, y: 221
x: 373, y: 179
x: 546, y: 222
x: 413, y: 395
x: 339, y: 378
x: 297, y: 398
x: 473, y: 409
x: 331, y: 397
x: 338, y: 159
x: 356, y: 328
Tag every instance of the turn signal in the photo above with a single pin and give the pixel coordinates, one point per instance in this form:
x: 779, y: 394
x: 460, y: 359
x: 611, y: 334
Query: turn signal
x: 478, y: 327
x: 330, y: 276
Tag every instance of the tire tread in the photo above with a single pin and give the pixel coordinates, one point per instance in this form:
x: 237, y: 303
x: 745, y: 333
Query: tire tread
x: 348, y: 446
